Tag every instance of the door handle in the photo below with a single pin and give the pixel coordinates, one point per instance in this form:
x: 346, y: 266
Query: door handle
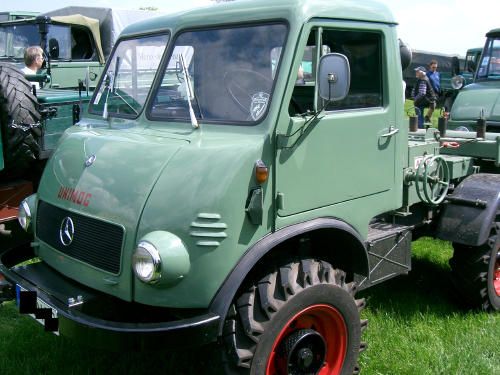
x: 392, y: 131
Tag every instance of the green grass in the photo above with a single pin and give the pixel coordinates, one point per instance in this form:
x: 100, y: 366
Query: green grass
x: 409, y: 111
x: 416, y: 327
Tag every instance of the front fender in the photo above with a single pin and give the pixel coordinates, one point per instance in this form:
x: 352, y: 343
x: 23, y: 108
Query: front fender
x: 471, y: 210
x: 222, y: 300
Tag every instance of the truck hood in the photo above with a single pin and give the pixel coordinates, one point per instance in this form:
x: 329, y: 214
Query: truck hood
x: 112, y: 173
x: 483, y: 96
x: 101, y: 180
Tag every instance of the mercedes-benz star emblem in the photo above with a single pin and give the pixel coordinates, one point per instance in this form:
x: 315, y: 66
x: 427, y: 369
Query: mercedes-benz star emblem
x: 67, y: 231
x: 90, y: 160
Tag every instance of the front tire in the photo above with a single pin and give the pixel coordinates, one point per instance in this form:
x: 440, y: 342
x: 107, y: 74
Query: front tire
x: 476, y: 272
x: 301, y: 318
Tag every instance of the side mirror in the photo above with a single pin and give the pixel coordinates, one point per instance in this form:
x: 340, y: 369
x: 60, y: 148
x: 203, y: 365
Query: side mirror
x: 334, y: 76
x: 53, y: 48
x: 405, y: 54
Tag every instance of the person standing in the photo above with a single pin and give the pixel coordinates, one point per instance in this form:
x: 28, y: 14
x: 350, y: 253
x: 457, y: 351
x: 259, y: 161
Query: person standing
x: 33, y: 59
x: 418, y: 94
x: 434, y: 80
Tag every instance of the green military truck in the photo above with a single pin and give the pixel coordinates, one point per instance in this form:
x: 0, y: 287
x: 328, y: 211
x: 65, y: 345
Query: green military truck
x: 477, y: 102
x: 471, y: 60
x: 448, y: 67
x: 455, y: 73
x: 215, y: 195
x: 16, y: 15
x: 76, y: 41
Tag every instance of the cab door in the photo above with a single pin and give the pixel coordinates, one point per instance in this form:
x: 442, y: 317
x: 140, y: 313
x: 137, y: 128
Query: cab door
x: 348, y: 151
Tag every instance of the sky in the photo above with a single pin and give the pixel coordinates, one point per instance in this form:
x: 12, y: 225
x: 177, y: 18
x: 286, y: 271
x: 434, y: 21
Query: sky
x: 445, y: 26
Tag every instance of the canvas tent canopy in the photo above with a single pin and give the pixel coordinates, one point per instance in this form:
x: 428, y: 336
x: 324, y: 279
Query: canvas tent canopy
x: 91, y: 23
x: 110, y: 21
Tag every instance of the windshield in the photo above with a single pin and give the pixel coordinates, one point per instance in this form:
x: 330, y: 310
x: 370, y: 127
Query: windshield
x: 489, y: 67
x: 14, y: 39
x: 231, y: 72
x: 128, y: 77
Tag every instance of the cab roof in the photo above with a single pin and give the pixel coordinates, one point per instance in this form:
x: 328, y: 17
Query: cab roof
x: 495, y: 33
x: 296, y: 12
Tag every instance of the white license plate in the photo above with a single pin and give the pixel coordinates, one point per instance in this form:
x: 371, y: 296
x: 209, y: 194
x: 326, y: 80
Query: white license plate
x: 40, y: 304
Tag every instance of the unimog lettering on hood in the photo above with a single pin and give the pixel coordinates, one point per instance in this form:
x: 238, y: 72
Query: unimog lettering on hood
x: 75, y: 196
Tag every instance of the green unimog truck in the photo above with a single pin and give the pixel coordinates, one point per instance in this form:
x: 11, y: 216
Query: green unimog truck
x: 16, y: 15
x: 217, y: 193
x: 477, y: 102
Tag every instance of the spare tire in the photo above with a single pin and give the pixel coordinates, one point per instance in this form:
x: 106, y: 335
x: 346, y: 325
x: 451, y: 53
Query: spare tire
x: 20, y: 122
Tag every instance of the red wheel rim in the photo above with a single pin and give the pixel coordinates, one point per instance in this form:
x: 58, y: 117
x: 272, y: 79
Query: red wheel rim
x: 496, y: 275
x: 328, y: 322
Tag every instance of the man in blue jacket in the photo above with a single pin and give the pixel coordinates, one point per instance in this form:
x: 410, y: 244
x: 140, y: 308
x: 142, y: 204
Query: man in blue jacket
x: 434, y: 80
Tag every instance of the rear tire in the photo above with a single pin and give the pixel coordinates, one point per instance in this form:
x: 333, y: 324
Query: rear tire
x: 476, y: 272
x: 284, y: 322
x: 20, y: 121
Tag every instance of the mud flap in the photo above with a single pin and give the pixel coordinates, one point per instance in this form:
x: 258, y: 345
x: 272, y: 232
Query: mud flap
x: 470, y: 210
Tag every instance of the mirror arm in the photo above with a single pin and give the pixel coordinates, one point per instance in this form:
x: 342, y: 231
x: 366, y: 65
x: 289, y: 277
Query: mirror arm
x: 303, y: 128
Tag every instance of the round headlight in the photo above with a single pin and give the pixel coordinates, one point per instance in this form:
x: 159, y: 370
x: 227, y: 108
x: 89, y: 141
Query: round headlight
x: 462, y: 129
x: 457, y: 82
x: 146, y: 263
x: 24, y: 216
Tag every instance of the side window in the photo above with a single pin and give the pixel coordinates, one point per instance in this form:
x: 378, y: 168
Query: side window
x: 303, y: 93
x: 81, y: 45
x: 59, y: 39
x: 363, y: 50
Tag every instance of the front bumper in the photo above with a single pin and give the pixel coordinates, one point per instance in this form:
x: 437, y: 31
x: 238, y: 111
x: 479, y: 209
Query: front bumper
x: 98, y: 319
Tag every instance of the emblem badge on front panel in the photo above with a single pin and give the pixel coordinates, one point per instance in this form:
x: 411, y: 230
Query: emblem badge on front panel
x: 90, y: 160
x: 67, y: 231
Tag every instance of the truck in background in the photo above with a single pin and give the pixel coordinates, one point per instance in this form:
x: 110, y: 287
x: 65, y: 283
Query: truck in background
x: 477, y: 104
x: 16, y: 15
x: 470, y: 63
x: 448, y: 67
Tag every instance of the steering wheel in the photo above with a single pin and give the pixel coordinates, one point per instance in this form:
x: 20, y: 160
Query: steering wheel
x: 240, y: 83
x: 432, y: 179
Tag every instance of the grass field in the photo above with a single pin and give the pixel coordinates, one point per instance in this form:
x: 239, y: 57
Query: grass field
x: 416, y: 327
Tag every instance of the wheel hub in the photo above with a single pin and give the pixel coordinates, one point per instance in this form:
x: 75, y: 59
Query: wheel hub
x: 313, y: 342
x: 496, y: 275
x: 303, y: 352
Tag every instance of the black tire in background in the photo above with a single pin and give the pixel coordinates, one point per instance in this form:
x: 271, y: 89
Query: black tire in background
x: 299, y: 313
x: 475, y: 272
x: 20, y: 122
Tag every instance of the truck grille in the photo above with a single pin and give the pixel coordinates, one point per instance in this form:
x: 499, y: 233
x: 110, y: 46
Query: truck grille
x: 94, y: 242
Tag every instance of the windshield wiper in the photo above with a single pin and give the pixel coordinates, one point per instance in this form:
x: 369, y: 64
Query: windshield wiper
x: 189, y: 92
x: 109, y: 83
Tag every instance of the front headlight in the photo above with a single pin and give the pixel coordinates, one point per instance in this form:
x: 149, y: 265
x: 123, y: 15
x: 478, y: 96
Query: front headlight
x: 457, y: 82
x: 24, y: 216
x: 146, y: 263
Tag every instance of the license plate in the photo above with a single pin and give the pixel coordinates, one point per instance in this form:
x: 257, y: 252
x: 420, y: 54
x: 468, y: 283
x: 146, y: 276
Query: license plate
x: 40, y: 305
